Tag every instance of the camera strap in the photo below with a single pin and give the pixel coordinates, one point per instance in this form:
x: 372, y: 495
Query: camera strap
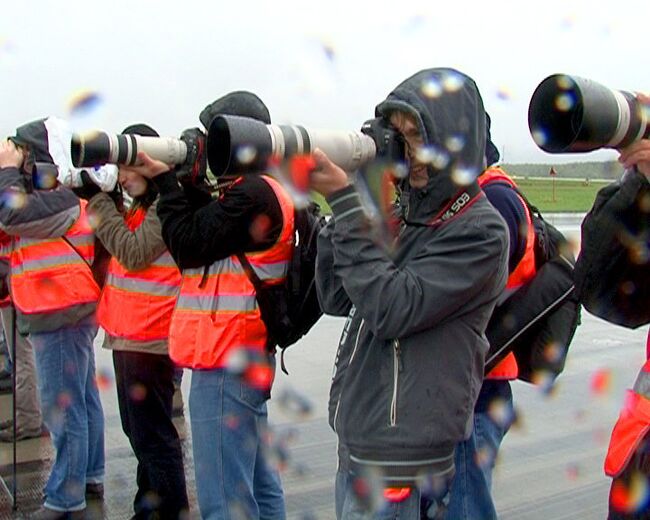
x: 463, y: 199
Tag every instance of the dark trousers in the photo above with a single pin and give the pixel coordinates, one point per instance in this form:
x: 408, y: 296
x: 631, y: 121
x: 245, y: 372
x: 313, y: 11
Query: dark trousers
x: 145, y: 388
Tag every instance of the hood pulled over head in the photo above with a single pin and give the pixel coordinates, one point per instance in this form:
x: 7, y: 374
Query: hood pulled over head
x: 449, y: 112
x: 48, y: 141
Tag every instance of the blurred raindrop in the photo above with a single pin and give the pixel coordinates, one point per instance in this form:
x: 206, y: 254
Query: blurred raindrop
x: 368, y: 489
x: 260, y: 227
x: 544, y: 380
x: 246, y: 154
x: 431, y: 88
x: 455, y: 143
x: 572, y: 471
x: 104, y: 379
x: 329, y: 51
x: 539, y: 136
x: 252, y: 366
x: 13, y: 199
x: 294, y: 403
x: 278, y: 448
x: 425, y: 154
x: 631, y: 496
x: 413, y: 24
x: 83, y: 103
x: 464, y: 176
x: 138, y: 392
x: 565, y: 102
x: 601, y: 381
x: 501, y: 412
x: 453, y: 82
x: 503, y: 93
x: 44, y: 178
x: 564, y: 82
x: 63, y: 400
x: 485, y: 457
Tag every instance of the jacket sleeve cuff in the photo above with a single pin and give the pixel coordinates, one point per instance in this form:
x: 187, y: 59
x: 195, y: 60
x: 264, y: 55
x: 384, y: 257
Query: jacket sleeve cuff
x: 345, y: 203
x: 167, y: 182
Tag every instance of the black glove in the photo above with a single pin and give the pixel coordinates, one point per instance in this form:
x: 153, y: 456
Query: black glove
x: 192, y: 171
x: 88, y: 189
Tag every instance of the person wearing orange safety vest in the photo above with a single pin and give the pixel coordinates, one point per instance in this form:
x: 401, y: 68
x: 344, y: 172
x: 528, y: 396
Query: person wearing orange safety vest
x: 28, y: 408
x: 135, y: 310
x: 55, y: 296
x: 217, y: 329
x: 470, y: 496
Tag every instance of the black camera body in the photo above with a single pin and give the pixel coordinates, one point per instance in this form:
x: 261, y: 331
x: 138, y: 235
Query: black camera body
x: 389, y: 142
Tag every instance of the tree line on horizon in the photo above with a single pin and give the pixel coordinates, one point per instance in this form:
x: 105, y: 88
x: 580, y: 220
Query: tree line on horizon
x: 577, y: 170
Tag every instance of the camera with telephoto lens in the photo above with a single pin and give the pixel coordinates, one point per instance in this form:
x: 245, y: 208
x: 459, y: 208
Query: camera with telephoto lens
x: 238, y: 145
x: 569, y: 114
x: 187, y: 152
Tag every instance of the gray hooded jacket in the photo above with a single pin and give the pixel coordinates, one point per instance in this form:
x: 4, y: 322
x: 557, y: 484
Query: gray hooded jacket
x: 410, y: 360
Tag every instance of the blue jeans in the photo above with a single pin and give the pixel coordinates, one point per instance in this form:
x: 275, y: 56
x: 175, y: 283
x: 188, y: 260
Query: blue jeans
x: 229, y: 423
x: 72, y: 412
x: 471, y: 487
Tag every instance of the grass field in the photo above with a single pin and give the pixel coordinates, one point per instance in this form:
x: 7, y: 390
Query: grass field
x: 568, y: 196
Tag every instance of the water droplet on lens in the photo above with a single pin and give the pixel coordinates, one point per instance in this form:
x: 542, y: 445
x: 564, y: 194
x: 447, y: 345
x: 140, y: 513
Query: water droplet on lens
x: 455, y: 143
x: 564, y: 102
x: 83, y: 103
x: 539, y: 136
x: 431, y: 88
x: 453, y: 82
x: 463, y: 176
x: 246, y: 154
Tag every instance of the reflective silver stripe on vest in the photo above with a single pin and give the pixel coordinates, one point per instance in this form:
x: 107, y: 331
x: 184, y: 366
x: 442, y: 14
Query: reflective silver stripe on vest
x: 81, y: 240
x: 164, y: 260
x: 26, y: 242
x: 47, y: 262
x: 141, y: 286
x: 222, y: 303
x: 642, y: 384
x: 228, y: 266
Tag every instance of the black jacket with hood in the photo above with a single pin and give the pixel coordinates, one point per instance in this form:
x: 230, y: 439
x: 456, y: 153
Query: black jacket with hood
x: 410, y: 360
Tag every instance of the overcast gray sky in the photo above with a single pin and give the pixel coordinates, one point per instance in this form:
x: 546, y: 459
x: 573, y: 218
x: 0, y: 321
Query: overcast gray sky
x: 320, y: 64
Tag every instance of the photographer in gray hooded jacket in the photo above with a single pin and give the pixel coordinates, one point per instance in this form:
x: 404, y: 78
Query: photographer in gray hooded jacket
x: 411, y: 357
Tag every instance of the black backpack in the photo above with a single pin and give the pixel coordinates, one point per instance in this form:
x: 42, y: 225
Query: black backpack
x: 290, y: 309
x: 538, y: 321
x: 612, y: 272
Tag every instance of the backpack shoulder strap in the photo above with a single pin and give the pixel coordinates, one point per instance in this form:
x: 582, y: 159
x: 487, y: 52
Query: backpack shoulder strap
x: 250, y: 272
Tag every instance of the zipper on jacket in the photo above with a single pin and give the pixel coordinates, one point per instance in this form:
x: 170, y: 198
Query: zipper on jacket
x: 397, y: 368
x: 354, y: 350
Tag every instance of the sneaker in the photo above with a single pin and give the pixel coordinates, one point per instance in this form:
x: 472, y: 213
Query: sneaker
x: 5, y: 425
x: 50, y: 514
x: 94, y: 491
x: 22, y: 434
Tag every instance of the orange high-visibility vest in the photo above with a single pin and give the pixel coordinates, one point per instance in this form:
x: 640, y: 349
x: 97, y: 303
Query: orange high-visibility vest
x: 49, y: 275
x: 632, y: 426
x: 138, y: 305
x: 216, y: 311
x: 524, y: 271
